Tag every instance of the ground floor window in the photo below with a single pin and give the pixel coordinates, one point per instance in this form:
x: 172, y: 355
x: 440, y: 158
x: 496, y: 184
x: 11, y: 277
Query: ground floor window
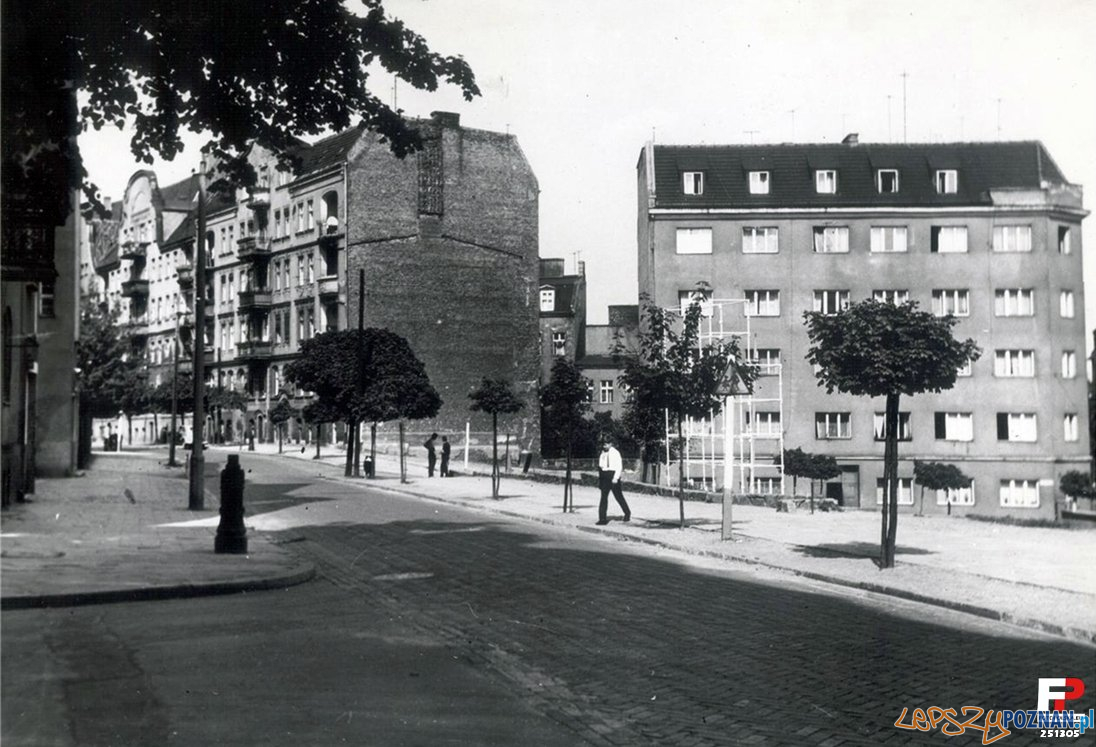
x: 960, y: 497
x: 905, y: 491
x: 1019, y: 493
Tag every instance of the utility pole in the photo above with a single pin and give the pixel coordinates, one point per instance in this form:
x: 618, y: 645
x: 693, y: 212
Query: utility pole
x: 998, y: 119
x: 197, y: 456
x: 174, y: 394
x: 357, y: 445
x: 751, y: 133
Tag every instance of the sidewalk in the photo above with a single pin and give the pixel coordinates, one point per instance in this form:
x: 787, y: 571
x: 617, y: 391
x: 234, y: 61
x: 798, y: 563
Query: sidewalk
x: 1037, y: 578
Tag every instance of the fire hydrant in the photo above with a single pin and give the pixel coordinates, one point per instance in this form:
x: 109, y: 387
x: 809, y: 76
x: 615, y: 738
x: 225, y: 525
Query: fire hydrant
x: 231, y: 534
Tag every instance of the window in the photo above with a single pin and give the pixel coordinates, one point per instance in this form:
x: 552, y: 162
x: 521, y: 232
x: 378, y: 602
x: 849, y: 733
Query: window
x: 277, y: 224
x: 905, y: 432
x: 1019, y: 493
x: 46, y: 299
x: 905, y: 491
x: 285, y: 273
x: 685, y: 300
x: 1014, y: 363
x: 1069, y: 364
x: 279, y: 338
x: 694, y: 241
x: 895, y: 297
x: 1065, y: 246
x: 1016, y: 426
x: 831, y: 301
x: 300, y: 269
x: 759, y: 182
x: 1013, y: 302
x: 693, y: 182
x: 767, y: 424
x: 310, y: 216
x: 831, y: 239
x: 559, y: 343
x: 947, y: 181
x: 956, y: 497
x: 762, y: 303
x: 967, y: 369
x: 605, y: 395
x: 825, y: 181
x: 277, y: 274
x: 954, y: 426
x: 547, y: 299
x: 948, y: 239
x: 886, y: 181
x: 1065, y: 304
x: 759, y: 240
x: 767, y: 361
x: 888, y: 239
x: 1070, y: 427
x: 951, y: 302
x: 1012, y: 238
x: 832, y: 425
x: 766, y: 486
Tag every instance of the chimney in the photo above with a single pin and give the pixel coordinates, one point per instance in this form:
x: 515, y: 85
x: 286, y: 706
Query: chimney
x: 551, y: 267
x: 852, y: 138
x: 582, y: 269
x: 446, y: 119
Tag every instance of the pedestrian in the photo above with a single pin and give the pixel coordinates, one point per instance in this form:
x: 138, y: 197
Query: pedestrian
x: 431, y: 454
x: 609, y: 468
x: 446, y: 447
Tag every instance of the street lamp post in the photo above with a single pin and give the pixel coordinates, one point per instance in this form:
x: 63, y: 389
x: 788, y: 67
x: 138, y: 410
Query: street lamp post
x: 197, y: 457
x: 174, y: 395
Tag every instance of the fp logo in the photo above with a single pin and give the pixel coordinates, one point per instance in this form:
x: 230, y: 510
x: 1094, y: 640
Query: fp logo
x: 1058, y: 690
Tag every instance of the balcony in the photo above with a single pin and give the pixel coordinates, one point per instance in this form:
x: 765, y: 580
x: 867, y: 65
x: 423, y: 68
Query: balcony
x: 131, y: 249
x: 186, y: 276
x: 329, y: 287
x: 255, y: 350
x: 138, y: 329
x: 259, y: 199
x: 255, y: 300
x: 329, y: 240
x: 135, y: 288
x: 252, y: 247
x: 209, y: 356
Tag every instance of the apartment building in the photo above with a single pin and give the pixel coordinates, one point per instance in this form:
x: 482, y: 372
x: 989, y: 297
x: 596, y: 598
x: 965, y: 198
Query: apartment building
x: 987, y: 232
x: 562, y: 300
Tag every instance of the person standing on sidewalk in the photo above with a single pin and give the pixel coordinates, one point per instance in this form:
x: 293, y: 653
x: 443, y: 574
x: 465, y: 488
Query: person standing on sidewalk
x: 445, y: 449
x: 609, y: 469
x: 431, y: 454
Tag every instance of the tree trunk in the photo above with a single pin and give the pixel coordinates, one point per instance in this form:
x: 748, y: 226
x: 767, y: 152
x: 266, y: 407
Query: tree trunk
x: 319, y: 437
x: 403, y: 460
x: 921, y: 508
x: 279, y: 426
x: 890, y: 480
x: 349, y: 449
x: 494, y: 455
x: 373, y: 447
x: 680, y: 471
x: 567, y: 494
x: 358, y: 449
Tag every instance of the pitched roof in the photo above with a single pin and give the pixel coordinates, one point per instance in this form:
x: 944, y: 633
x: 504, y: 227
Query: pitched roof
x: 180, y: 195
x: 327, y: 152
x: 981, y: 167
x: 565, y: 293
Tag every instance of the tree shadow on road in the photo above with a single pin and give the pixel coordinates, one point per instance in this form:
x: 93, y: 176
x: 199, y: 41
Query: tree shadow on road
x: 865, y: 550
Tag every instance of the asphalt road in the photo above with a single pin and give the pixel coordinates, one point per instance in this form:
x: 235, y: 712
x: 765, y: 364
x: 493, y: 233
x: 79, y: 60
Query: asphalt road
x: 436, y: 625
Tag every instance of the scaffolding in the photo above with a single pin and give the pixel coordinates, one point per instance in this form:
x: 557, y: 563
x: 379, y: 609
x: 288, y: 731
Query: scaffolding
x: 735, y: 448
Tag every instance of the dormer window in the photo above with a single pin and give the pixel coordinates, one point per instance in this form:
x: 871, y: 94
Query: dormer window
x: 947, y: 181
x: 825, y: 181
x: 759, y: 182
x: 547, y: 299
x: 693, y: 182
x: 886, y: 181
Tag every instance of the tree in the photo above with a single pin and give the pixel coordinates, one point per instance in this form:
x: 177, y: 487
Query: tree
x: 673, y: 373
x: 938, y: 476
x: 878, y: 349
x: 279, y: 414
x: 1076, y: 484
x: 798, y: 463
x: 495, y: 396
x: 111, y: 377
x: 270, y: 71
x: 316, y: 414
x: 564, y: 404
x: 823, y: 467
x: 399, y: 388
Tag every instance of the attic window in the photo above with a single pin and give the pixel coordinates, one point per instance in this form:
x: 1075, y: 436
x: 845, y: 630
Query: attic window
x: 947, y: 181
x: 693, y: 182
x: 759, y: 182
x: 547, y: 299
x: 886, y: 181
x: 825, y: 181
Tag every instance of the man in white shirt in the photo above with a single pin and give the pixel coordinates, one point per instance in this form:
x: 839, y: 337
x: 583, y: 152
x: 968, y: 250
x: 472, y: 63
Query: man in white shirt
x: 610, y: 466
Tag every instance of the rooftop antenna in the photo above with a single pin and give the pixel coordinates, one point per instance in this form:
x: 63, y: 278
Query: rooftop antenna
x: 652, y: 133
x: 998, y: 119
x: 751, y: 133
x: 792, y: 112
x: 905, y: 75
x: 574, y: 258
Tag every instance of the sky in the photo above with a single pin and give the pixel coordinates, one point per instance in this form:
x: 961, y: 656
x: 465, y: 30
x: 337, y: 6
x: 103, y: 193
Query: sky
x: 583, y: 84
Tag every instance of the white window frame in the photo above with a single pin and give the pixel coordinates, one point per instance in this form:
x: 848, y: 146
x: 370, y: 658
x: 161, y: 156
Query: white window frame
x: 767, y: 360
x: 559, y: 342
x: 879, y: 426
x: 1065, y: 240
x: 831, y: 239
x: 1012, y: 238
x: 967, y: 369
x: 1071, y: 427
x: 957, y: 496
x: 951, y: 302
x: 830, y: 302
x: 693, y: 240
x: 1066, y: 306
x: 894, y: 297
x: 605, y: 392
x: 1019, y: 493
x: 760, y: 240
x: 692, y: 182
x: 879, y: 181
x: 905, y: 491
x: 947, y: 181
x: 958, y: 426
x: 889, y: 239
x: 825, y: 181
x: 1069, y: 364
x: 1014, y: 363
x: 685, y: 299
x: 832, y: 426
x: 759, y: 182
x: 1022, y: 427
x: 547, y: 299
x: 950, y: 239
x: 767, y: 424
x: 1014, y: 302
x: 762, y: 303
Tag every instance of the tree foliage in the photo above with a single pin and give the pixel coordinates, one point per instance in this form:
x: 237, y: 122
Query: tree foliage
x: 885, y: 350
x: 938, y: 476
x: 112, y: 377
x: 564, y: 403
x: 270, y: 71
x: 1077, y: 484
x: 671, y: 372
x: 495, y: 397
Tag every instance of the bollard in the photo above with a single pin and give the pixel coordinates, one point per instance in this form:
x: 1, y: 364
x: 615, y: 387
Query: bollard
x: 231, y: 534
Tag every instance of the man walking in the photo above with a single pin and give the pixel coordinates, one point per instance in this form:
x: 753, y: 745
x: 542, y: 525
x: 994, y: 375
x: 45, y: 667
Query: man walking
x: 610, y: 466
x: 431, y: 454
x: 445, y: 449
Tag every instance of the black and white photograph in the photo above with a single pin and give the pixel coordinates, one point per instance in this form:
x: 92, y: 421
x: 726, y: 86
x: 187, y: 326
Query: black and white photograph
x: 461, y: 372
